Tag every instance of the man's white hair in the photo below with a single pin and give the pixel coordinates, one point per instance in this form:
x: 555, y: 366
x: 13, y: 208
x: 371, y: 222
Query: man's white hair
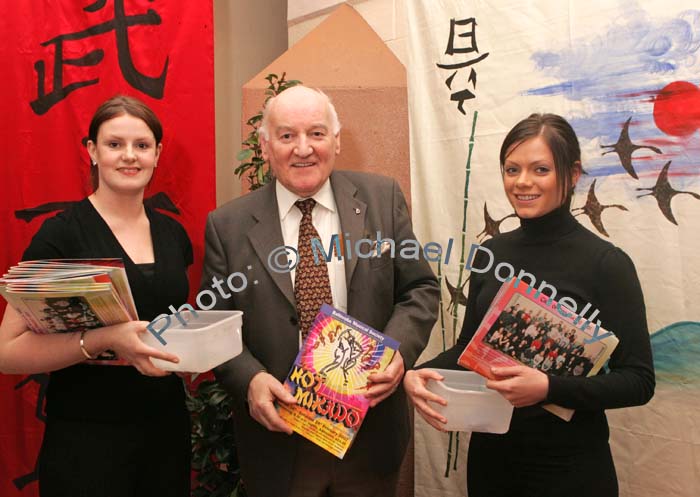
x: 263, y: 131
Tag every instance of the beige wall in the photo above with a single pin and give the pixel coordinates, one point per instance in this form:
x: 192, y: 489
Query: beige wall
x: 385, y: 16
x: 347, y: 59
x: 248, y: 35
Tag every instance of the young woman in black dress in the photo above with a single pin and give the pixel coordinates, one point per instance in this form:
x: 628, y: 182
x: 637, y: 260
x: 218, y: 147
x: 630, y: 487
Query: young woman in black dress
x: 112, y: 430
x: 542, y: 455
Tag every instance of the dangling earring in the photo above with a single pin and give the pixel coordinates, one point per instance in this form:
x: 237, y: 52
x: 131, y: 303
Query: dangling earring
x: 94, y: 163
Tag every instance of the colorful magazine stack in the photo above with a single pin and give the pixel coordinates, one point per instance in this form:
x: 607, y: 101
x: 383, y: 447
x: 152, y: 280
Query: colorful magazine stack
x: 329, y: 379
x: 522, y: 327
x: 69, y: 295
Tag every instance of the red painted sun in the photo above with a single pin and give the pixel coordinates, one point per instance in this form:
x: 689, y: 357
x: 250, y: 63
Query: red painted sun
x: 677, y: 109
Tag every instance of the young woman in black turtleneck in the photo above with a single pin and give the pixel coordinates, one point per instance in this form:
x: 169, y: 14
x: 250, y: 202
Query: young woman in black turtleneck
x: 542, y: 455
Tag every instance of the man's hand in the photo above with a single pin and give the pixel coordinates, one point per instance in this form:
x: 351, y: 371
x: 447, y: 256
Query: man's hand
x: 381, y: 385
x: 520, y: 385
x: 263, y: 390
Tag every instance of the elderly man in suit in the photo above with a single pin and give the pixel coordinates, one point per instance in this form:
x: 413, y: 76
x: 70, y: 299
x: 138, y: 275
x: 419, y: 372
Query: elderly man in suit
x: 398, y: 296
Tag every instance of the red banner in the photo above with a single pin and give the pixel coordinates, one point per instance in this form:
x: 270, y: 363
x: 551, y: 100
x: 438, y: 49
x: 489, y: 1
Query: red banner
x: 62, y: 59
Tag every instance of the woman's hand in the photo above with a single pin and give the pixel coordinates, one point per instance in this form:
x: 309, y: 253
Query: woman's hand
x: 124, y: 340
x: 414, y: 383
x: 522, y: 386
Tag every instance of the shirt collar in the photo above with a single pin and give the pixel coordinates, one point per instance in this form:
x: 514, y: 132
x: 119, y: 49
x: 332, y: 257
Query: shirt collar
x: 286, y: 199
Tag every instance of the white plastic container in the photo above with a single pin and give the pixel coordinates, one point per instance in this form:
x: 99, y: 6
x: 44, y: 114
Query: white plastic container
x: 470, y: 405
x: 206, y: 340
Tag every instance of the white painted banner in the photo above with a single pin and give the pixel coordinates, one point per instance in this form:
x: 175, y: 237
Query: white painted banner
x: 626, y: 75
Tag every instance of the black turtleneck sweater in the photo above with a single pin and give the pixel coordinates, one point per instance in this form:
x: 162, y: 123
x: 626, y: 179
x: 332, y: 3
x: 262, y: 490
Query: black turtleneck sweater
x: 557, y: 249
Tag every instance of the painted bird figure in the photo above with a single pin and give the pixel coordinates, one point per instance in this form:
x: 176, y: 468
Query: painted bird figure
x: 457, y: 296
x: 593, y: 209
x: 491, y: 226
x: 664, y: 193
x: 624, y: 149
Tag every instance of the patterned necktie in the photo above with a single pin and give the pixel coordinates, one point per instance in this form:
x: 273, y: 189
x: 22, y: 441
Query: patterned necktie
x: 312, y: 287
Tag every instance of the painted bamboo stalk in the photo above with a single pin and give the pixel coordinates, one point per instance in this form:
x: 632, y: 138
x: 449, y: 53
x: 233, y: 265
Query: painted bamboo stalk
x: 454, y: 436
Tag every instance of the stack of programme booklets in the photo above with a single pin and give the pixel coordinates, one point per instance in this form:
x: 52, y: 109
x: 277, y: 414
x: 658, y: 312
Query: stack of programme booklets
x: 70, y: 295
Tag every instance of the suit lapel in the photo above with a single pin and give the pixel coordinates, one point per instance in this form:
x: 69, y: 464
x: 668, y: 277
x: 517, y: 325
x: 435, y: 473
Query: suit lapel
x: 351, y: 212
x: 266, y: 235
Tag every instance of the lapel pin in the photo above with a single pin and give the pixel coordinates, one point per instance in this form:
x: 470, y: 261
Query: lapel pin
x: 357, y: 210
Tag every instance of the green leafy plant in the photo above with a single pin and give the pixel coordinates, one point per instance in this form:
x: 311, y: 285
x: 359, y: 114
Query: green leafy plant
x: 250, y: 156
x: 214, y: 455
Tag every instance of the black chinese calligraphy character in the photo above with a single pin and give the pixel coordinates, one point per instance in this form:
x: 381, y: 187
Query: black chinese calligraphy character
x: 151, y: 86
x: 470, y: 35
x: 158, y: 201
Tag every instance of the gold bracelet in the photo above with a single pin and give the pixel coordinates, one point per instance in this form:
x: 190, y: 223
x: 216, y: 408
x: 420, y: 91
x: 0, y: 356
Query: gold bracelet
x: 82, y: 345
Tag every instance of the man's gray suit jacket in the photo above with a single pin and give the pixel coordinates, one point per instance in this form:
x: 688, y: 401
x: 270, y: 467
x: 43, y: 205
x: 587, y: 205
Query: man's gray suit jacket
x: 396, y: 296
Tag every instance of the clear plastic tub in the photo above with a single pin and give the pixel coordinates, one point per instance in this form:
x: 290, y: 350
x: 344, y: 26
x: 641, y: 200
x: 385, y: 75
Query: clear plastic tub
x: 470, y: 405
x: 207, y: 340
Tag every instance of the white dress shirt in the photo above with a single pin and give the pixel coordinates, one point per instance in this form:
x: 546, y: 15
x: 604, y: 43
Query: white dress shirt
x: 326, y: 220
